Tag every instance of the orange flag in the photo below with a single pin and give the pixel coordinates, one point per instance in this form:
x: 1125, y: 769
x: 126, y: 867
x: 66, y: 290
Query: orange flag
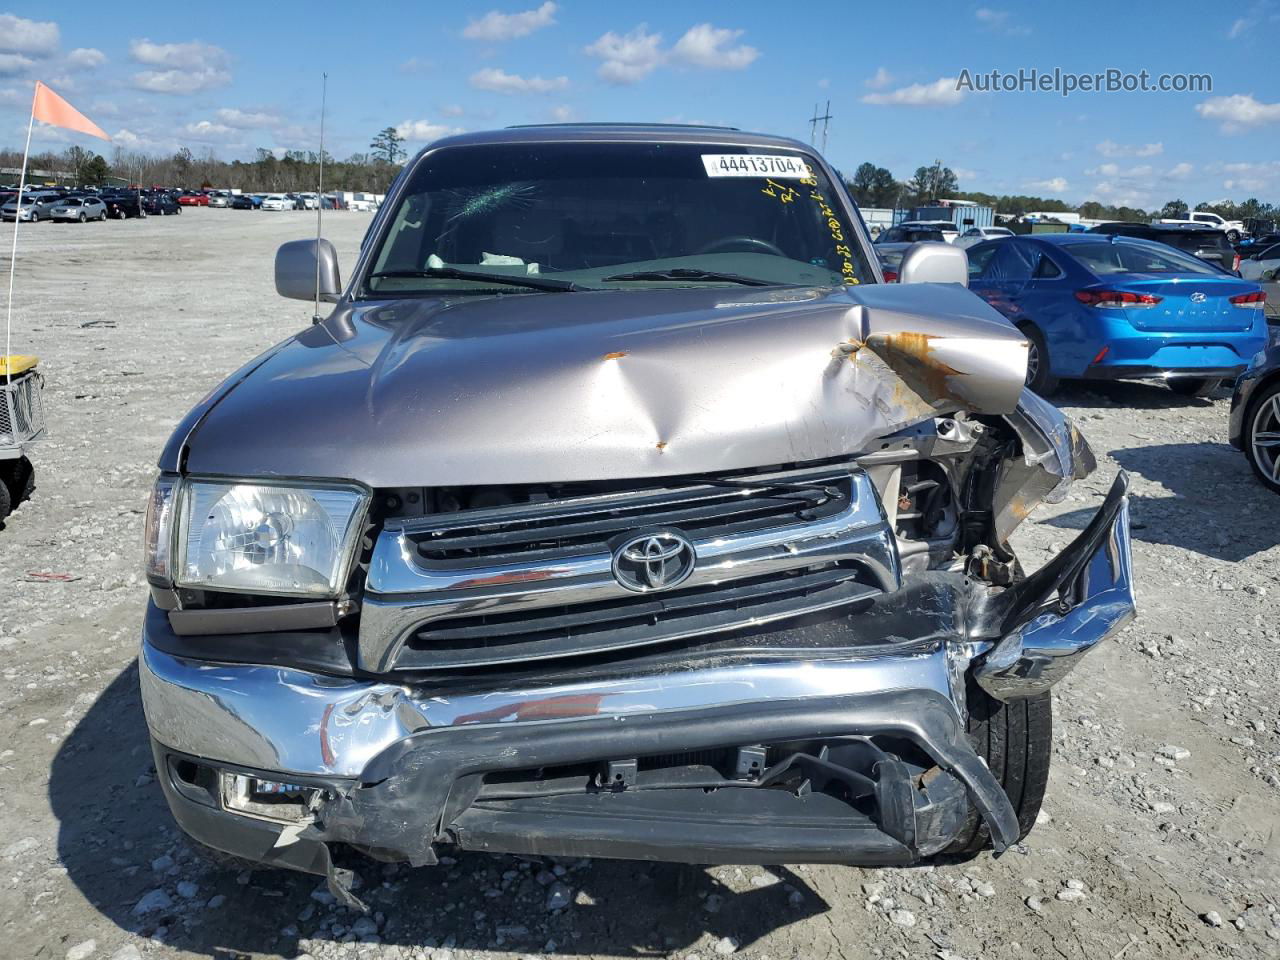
x: 48, y: 107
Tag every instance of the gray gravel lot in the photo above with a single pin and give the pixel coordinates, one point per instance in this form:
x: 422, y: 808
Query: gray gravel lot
x: 1159, y: 837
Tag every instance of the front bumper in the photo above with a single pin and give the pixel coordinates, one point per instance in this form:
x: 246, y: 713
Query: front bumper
x: 399, y: 768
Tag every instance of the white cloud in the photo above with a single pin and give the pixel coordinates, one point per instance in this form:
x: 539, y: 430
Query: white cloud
x: 627, y: 58
x: 246, y: 119
x: 497, y: 80
x: 1255, y: 21
x: 452, y: 110
x: 1121, y: 195
x: 964, y: 173
x: 191, y: 67
x: 998, y: 20
x: 941, y: 93
x: 562, y: 113
x: 86, y: 58
x: 1052, y: 185
x: 36, y: 37
x: 424, y: 130
x: 1252, y: 177
x: 495, y: 26
x: 1109, y: 148
x: 1180, y: 171
x: 193, y: 55
x: 180, y: 81
x: 1239, y: 112
x: 710, y: 47
x: 13, y: 64
x: 630, y: 57
x: 880, y: 79
x: 416, y: 65
x: 207, y: 130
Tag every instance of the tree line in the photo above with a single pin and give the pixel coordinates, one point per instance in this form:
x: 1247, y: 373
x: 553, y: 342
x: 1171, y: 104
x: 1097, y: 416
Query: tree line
x: 294, y: 171
x: 875, y: 186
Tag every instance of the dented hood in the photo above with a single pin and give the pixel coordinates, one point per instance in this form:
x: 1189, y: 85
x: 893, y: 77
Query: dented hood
x: 560, y: 387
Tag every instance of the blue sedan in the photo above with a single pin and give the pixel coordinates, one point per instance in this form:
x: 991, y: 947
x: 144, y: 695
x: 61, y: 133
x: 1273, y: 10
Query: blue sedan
x: 1101, y: 307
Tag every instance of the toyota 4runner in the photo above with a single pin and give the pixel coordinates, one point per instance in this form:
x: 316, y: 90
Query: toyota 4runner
x: 618, y: 508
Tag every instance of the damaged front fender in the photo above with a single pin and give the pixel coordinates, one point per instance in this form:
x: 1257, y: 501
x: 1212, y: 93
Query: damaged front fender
x: 1054, y: 455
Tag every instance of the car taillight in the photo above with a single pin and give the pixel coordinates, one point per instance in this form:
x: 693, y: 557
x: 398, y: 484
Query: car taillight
x: 1257, y: 299
x: 890, y: 276
x: 1236, y: 264
x: 1116, y: 298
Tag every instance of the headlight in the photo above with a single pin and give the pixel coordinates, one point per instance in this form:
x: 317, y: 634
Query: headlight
x: 281, y: 539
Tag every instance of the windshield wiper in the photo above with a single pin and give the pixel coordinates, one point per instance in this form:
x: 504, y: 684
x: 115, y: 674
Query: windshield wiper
x: 691, y: 273
x: 453, y: 273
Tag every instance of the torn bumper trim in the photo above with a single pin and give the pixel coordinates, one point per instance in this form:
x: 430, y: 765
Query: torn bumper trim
x: 420, y: 792
x: 1096, y: 598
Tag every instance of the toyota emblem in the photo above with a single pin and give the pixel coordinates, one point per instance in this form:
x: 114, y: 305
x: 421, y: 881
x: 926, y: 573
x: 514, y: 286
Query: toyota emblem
x: 1197, y: 297
x: 653, y: 561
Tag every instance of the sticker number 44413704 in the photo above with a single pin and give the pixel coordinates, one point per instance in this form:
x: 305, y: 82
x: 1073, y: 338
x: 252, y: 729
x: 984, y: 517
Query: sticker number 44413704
x: 755, y: 165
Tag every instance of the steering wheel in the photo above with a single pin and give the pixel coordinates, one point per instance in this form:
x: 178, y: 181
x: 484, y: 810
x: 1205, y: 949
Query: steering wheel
x: 744, y: 244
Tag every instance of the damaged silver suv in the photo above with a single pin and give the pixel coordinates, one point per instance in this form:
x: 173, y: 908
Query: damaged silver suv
x: 618, y: 508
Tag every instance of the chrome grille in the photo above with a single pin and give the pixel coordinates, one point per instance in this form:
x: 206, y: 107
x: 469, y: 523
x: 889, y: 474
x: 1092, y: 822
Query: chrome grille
x: 534, y: 581
x: 21, y: 409
x: 588, y: 524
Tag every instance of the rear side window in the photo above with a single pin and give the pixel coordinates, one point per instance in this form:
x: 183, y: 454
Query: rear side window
x: 1013, y: 261
x: 1104, y: 258
x: 979, y: 257
x: 1046, y: 269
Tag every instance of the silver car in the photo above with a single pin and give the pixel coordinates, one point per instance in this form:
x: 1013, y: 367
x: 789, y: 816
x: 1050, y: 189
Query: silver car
x: 618, y: 509
x: 35, y: 206
x: 79, y: 208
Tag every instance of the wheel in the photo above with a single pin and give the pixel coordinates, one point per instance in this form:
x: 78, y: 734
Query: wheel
x: 1193, y: 386
x: 82, y: 218
x: 17, y: 481
x: 6, y: 503
x: 1015, y: 740
x: 35, y: 216
x: 1233, y: 236
x: 1039, y: 379
x: 1262, y: 437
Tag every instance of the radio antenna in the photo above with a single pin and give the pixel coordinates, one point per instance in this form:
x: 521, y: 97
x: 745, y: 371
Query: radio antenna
x: 324, y: 92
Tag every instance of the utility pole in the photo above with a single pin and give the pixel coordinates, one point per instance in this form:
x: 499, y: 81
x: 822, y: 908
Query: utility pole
x: 813, y: 125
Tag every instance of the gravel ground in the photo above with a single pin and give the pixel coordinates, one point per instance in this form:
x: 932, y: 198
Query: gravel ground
x: 1159, y: 837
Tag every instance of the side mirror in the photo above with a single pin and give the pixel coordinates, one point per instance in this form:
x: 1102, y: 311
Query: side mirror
x: 933, y: 262
x: 296, y: 270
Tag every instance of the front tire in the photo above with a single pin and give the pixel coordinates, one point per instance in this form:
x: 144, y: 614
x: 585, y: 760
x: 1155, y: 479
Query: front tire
x: 17, y: 482
x: 1015, y: 740
x: 1193, y: 386
x: 82, y: 218
x: 1233, y: 236
x: 1039, y: 379
x: 1262, y: 437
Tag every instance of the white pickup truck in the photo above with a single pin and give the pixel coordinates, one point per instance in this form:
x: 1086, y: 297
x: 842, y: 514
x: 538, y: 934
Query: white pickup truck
x: 1234, y: 229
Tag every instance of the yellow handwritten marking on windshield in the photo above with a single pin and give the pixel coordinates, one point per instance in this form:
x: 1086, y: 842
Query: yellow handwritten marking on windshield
x: 784, y: 194
x: 837, y: 231
x: 787, y: 194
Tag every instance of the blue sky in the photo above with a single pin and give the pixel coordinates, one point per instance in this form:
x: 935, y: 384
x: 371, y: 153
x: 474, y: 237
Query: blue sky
x: 249, y: 76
